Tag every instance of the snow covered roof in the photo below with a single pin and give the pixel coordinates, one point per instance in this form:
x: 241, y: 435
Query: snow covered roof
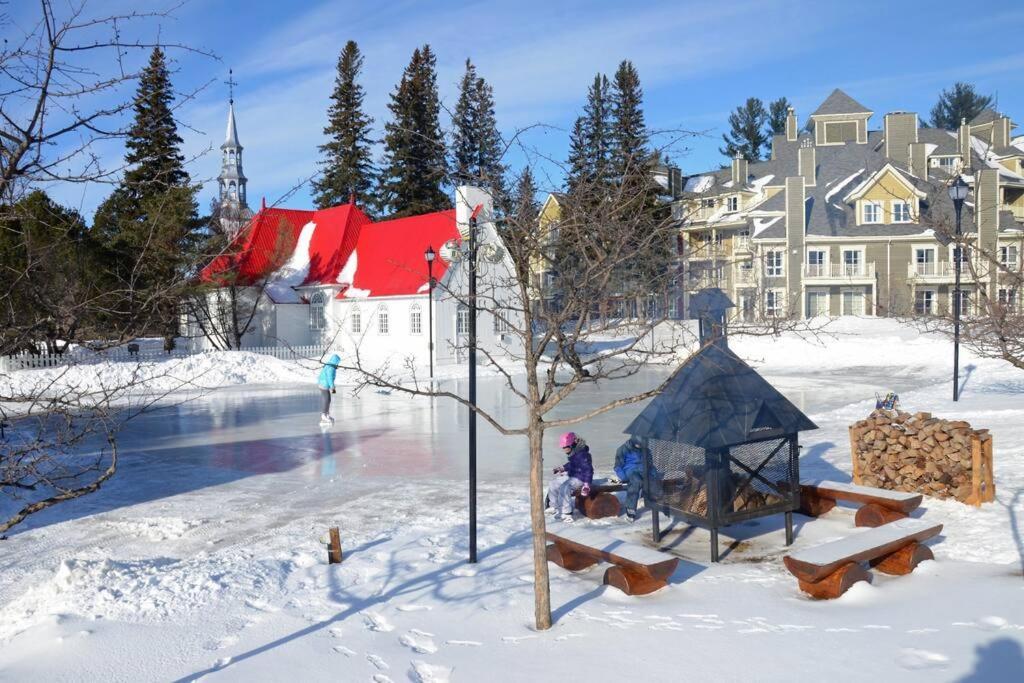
x: 388, y: 258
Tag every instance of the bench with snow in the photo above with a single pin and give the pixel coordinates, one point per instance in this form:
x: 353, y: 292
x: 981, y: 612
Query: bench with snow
x: 828, y: 570
x: 880, y: 506
x: 602, y: 501
x: 638, y: 570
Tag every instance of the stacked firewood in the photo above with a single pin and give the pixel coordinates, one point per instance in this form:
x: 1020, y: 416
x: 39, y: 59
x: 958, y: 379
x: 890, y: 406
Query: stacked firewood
x: 691, y: 495
x: 904, y: 452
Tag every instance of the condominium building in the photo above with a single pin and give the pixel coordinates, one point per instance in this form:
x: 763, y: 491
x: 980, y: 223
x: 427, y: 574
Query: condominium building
x: 845, y: 220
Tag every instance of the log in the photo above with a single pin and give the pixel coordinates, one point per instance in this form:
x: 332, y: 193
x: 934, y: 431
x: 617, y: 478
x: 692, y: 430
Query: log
x: 836, y: 583
x: 334, y: 546
x: 633, y: 581
x: 566, y: 558
x: 598, y: 505
x: 812, y: 504
x: 904, y: 560
x: 872, y: 515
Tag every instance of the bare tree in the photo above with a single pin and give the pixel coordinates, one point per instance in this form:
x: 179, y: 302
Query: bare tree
x: 66, y: 80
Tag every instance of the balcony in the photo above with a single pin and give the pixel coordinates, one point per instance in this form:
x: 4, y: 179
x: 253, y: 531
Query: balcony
x: 943, y: 271
x: 741, y: 243
x: 840, y: 272
x: 745, y: 277
x: 706, y: 251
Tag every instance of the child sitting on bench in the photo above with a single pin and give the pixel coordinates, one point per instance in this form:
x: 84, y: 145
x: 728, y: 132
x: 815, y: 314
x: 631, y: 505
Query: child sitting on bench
x: 576, y: 474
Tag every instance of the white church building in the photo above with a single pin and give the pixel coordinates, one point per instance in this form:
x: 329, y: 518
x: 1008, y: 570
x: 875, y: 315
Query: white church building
x: 335, y: 278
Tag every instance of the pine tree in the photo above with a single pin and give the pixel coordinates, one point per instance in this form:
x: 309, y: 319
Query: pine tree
x: 591, y: 139
x: 149, y: 223
x: 777, y: 112
x: 959, y: 102
x: 347, y: 166
x: 629, y: 153
x: 747, y: 135
x: 414, y: 166
x: 525, y: 197
x: 476, y: 144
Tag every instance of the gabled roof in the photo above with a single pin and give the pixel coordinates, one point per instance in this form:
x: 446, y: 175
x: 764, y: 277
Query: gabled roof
x: 840, y: 103
x: 287, y: 248
x: 715, y: 400
x: 869, y: 182
x: 388, y: 258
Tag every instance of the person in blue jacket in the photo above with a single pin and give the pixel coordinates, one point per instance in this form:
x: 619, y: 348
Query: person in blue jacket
x: 326, y: 383
x: 629, y: 468
x: 576, y: 474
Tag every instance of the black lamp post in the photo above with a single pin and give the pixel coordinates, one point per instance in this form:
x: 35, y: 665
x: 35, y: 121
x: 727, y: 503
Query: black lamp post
x: 957, y: 193
x: 472, y: 386
x: 429, y: 255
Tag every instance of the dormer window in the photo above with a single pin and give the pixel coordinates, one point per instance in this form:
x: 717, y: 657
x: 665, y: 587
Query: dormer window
x: 900, y: 212
x: 707, y: 203
x: 872, y: 212
x: 732, y: 204
x: 840, y: 131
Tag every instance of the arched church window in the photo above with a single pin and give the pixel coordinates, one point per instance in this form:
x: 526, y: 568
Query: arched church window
x: 317, y: 319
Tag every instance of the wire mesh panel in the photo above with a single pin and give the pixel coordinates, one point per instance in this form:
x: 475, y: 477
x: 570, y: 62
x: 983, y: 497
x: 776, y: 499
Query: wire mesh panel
x: 763, y: 478
x: 676, y: 472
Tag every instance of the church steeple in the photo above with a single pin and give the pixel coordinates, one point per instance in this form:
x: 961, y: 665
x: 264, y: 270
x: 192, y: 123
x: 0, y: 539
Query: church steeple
x: 232, y: 180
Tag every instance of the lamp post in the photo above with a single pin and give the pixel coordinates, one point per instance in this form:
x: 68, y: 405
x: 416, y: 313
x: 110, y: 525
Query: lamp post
x: 429, y: 255
x: 957, y: 193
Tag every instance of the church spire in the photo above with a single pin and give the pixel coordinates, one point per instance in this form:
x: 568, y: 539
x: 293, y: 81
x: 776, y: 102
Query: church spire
x: 231, y: 179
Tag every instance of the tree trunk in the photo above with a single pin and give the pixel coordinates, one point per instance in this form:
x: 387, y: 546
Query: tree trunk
x: 541, y: 586
x: 236, y: 334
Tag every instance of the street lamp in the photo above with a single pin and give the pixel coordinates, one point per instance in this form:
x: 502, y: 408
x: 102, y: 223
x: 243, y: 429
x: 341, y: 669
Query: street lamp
x: 957, y: 193
x: 429, y: 255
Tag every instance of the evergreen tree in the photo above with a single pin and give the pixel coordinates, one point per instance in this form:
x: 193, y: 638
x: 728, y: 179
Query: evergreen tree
x: 591, y: 141
x: 149, y: 223
x: 777, y: 112
x: 414, y: 154
x: 525, y: 197
x: 476, y: 144
x: 959, y: 102
x: 347, y: 166
x: 629, y: 153
x: 747, y: 131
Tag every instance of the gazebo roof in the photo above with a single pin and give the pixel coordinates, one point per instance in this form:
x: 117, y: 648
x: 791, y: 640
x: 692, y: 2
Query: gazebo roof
x: 715, y: 400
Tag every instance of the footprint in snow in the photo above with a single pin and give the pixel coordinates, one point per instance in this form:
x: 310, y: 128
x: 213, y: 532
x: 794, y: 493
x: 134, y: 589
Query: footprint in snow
x: 515, y: 640
x: 567, y: 636
x: 468, y: 643
x: 430, y: 673
x: 381, y: 678
x: 378, y: 662
x: 414, y: 608
x: 921, y: 659
x: 420, y: 642
x: 467, y: 572
x: 992, y: 623
x: 376, y: 622
x: 335, y: 631
x: 341, y: 649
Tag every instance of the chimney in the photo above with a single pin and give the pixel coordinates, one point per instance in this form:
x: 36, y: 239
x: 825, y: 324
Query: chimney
x: 796, y: 231
x: 777, y: 142
x: 919, y: 160
x: 963, y: 143
x: 739, y: 170
x: 1001, y: 132
x: 791, y: 128
x: 806, y: 163
x: 986, y: 208
x: 900, y: 133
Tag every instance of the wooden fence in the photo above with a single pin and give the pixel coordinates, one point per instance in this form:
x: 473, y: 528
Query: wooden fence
x: 121, y: 354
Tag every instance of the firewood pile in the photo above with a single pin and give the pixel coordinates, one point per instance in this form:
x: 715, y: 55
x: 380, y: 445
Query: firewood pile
x: 916, y: 452
x: 691, y: 495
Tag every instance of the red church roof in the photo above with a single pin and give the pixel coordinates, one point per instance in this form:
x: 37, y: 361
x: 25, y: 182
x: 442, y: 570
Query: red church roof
x: 288, y: 248
x: 389, y: 255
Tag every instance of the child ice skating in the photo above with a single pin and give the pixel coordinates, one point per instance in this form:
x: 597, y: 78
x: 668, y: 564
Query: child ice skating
x: 576, y: 474
x: 326, y: 383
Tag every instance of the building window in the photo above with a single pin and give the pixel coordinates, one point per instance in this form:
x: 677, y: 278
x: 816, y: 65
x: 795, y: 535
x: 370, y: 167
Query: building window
x: 415, y: 320
x: 924, y: 302
x: 924, y: 261
x: 1008, y: 256
x: 900, y: 212
x: 773, y: 303
x: 853, y: 262
x: 462, y: 320
x: 316, y: 311
x: 840, y: 131
x: 382, y: 320
x: 773, y: 264
x: 1008, y: 298
x: 816, y: 263
x: 356, y: 320
x: 872, y: 212
x: 732, y: 204
x: 817, y: 303
x: 707, y: 203
x: 964, y: 303
x: 946, y: 163
x: 852, y: 302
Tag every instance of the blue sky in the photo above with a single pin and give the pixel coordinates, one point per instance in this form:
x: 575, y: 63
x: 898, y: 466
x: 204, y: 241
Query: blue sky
x: 697, y: 61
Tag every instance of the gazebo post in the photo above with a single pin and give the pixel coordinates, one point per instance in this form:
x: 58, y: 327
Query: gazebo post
x: 789, y: 528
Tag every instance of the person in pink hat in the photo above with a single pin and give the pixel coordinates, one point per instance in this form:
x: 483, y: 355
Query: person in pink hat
x: 575, y: 475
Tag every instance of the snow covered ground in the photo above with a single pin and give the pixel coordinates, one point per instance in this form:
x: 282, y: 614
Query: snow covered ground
x: 203, y: 557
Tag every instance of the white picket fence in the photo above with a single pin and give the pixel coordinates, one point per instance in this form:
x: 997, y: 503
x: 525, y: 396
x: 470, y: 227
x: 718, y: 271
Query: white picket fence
x: 121, y: 354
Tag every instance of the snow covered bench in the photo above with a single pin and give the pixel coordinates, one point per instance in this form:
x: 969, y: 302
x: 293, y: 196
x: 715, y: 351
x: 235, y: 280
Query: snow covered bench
x: 880, y: 505
x: 602, y: 501
x: 638, y: 569
x: 828, y: 570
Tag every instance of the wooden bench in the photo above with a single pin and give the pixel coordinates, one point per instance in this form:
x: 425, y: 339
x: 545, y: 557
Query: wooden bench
x: 602, y: 501
x: 638, y: 570
x: 881, y: 506
x: 828, y: 570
